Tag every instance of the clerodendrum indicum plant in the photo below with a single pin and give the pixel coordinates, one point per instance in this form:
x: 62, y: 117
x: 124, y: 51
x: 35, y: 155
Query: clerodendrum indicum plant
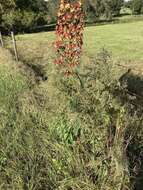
x: 69, y: 33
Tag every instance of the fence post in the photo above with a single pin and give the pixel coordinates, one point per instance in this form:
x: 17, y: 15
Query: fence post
x: 1, y: 40
x: 14, y: 46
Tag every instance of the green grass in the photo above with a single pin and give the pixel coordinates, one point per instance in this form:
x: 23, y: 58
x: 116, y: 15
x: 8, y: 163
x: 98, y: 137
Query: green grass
x: 12, y: 84
x: 124, y: 40
x: 55, y: 135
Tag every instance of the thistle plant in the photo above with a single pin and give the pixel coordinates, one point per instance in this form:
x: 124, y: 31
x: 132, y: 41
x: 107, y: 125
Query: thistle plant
x: 69, y: 35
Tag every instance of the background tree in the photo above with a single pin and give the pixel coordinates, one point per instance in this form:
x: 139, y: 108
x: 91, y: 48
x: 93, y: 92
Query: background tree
x: 6, y: 6
x: 128, y: 4
x: 116, y: 6
x: 95, y: 9
x: 25, y: 15
x: 137, y: 6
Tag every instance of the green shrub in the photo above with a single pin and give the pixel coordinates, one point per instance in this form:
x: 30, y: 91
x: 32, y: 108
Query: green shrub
x: 137, y: 6
x: 107, y: 118
x: 10, y: 19
x: 103, y: 121
x: 66, y: 131
x: 19, y: 20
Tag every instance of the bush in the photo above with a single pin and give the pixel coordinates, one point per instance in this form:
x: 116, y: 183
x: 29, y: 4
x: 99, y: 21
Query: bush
x: 107, y: 117
x: 19, y: 20
x: 10, y: 19
x: 137, y: 6
x: 103, y: 121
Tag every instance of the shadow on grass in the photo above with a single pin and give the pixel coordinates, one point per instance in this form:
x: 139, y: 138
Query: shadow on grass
x: 38, y: 70
x: 135, y: 157
x: 33, y: 66
x: 134, y: 83
x: 135, y: 149
x: 139, y: 178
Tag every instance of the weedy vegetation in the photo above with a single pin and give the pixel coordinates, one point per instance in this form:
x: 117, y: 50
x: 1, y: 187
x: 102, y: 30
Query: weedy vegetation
x: 71, y: 133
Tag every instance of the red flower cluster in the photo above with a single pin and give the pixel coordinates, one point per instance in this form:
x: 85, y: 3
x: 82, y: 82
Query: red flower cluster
x: 69, y: 32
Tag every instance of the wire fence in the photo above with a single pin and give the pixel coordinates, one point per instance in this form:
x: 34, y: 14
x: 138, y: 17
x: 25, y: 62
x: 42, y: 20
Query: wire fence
x: 14, y: 44
x: 12, y: 40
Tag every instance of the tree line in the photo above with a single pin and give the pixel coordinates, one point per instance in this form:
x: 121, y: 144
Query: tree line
x: 136, y: 6
x: 24, y: 15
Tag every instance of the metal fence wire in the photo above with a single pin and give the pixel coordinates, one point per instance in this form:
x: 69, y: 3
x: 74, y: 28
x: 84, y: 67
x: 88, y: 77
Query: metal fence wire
x: 4, y: 43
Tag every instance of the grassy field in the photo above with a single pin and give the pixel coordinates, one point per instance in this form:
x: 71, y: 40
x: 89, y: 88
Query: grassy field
x: 56, y: 135
x: 123, y: 40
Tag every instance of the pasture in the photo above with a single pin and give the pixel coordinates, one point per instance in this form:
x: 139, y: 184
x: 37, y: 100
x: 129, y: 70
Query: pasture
x: 57, y: 135
x: 123, y: 40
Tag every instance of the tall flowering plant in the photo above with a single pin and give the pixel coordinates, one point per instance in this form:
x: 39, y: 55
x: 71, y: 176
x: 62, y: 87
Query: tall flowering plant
x: 69, y: 35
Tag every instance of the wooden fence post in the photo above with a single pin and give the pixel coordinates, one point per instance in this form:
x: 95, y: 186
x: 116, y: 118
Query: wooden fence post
x: 14, y: 46
x: 1, y: 40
